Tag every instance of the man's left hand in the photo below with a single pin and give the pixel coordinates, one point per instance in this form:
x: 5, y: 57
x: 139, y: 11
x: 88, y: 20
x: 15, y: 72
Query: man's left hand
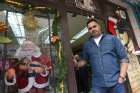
x: 121, y: 79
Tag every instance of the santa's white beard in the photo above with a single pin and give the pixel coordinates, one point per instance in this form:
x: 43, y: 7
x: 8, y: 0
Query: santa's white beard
x: 36, y: 53
x: 22, y: 54
x: 28, y: 53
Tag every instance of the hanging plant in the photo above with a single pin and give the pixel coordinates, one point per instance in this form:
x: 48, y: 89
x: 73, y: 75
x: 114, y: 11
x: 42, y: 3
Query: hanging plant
x: 60, y: 66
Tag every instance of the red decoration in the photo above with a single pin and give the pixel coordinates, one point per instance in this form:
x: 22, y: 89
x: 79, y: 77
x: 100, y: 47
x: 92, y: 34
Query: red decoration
x: 111, y: 25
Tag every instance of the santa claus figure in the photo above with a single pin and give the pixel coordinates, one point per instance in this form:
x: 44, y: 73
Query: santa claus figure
x: 32, y: 72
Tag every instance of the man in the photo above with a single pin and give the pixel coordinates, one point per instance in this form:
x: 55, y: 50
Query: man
x: 108, y: 59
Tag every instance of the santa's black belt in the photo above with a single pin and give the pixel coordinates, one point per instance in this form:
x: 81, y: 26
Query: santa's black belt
x: 32, y: 74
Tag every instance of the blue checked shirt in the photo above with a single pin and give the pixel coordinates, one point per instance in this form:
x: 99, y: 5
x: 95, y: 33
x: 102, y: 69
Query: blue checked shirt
x: 105, y: 59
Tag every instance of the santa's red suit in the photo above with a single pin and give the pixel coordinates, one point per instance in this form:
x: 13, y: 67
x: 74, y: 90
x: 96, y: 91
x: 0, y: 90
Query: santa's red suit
x: 27, y: 81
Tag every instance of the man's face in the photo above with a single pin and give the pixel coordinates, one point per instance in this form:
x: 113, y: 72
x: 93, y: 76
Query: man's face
x: 94, y: 29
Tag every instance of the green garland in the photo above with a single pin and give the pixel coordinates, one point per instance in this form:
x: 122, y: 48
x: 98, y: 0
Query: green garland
x: 60, y: 66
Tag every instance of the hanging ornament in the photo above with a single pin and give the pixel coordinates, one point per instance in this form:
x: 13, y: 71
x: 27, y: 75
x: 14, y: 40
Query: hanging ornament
x: 29, y: 21
x: 4, y: 40
x: 112, y: 25
x: 54, y: 39
x: 3, y: 27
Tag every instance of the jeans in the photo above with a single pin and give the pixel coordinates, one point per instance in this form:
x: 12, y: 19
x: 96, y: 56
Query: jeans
x: 118, y: 88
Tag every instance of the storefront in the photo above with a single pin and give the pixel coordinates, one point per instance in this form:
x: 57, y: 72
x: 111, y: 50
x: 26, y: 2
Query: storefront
x: 53, y: 26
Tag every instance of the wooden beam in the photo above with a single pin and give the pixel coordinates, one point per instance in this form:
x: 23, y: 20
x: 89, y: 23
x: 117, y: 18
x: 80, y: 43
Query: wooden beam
x: 72, y: 86
x: 63, y: 6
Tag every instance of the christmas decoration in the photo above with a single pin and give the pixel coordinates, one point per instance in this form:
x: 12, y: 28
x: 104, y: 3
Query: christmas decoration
x: 54, y: 39
x: 14, y: 2
x: 112, y: 25
x: 29, y: 21
x: 30, y: 24
x: 3, y: 27
x: 32, y: 70
x: 4, y: 40
x: 61, y: 65
x: 122, y: 21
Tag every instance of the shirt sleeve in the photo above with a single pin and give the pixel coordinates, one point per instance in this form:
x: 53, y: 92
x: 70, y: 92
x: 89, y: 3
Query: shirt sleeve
x: 84, y: 54
x: 120, y: 50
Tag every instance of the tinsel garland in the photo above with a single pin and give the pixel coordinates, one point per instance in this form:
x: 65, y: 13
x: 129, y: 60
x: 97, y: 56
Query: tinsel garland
x: 29, y: 21
x: 60, y: 66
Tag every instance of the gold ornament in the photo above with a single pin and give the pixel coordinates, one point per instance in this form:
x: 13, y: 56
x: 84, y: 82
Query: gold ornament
x: 3, y: 27
x: 29, y: 21
x: 54, y: 39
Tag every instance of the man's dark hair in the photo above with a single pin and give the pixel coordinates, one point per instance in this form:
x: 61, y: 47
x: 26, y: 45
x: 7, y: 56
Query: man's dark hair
x: 91, y: 20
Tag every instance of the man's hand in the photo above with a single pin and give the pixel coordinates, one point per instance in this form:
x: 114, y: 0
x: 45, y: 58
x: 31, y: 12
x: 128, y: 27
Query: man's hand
x: 78, y: 62
x: 122, y: 76
x: 81, y: 63
x: 75, y: 62
x: 121, y: 79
